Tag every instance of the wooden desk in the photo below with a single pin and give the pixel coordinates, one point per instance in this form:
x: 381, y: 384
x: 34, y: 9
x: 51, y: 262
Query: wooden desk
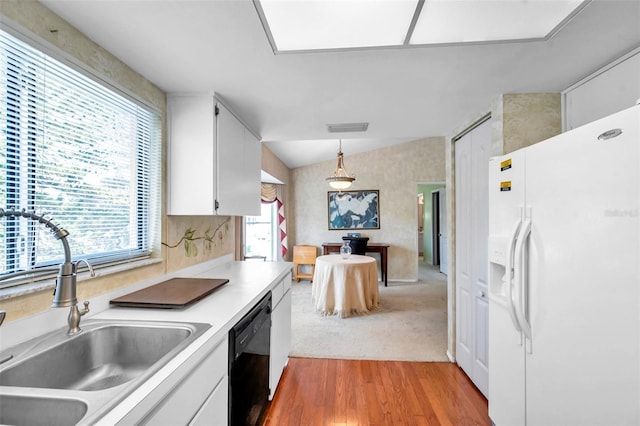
x: 371, y: 248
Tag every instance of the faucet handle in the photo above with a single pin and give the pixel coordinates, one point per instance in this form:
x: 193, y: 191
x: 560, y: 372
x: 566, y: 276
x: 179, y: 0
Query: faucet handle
x: 74, y: 318
x: 93, y: 274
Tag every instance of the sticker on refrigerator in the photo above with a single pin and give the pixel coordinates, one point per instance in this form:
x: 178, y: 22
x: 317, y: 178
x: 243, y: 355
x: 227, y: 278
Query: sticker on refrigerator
x: 505, y: 186
x: 505, y: 165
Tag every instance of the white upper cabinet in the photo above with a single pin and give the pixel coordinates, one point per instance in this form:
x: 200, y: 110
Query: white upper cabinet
x: 613, y: 88
x: 239, y: 167
x: 191, y: 156
x: 213, y: 159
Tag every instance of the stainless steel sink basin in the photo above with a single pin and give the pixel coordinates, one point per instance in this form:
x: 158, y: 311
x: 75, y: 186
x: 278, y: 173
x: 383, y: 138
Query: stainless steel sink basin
x: 98, y: 358
x: 28, y: 411
x: 94, y: 369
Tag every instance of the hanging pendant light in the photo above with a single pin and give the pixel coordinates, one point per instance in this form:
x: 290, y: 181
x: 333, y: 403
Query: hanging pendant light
x: 341, y: 179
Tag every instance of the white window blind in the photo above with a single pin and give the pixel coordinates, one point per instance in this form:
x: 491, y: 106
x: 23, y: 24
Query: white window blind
x: 79, y: 152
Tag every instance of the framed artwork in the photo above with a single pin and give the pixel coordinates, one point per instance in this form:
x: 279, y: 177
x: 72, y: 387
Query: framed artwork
x: 353, y: 210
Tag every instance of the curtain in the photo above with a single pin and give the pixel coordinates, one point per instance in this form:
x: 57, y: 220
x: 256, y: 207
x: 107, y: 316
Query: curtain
x: 272, y: 193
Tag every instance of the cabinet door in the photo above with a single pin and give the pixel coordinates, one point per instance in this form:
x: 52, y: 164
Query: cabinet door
x: 214, y: 411
x: 191, y: 155
x: 280, y: 340
x: 238, y: 152
x: 190, y: 396
x: 612, y: 89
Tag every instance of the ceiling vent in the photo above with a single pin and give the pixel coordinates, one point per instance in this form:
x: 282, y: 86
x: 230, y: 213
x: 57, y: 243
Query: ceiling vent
x: 347, y: 127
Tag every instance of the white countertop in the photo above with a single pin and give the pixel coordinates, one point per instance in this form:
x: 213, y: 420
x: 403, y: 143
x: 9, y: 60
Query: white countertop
x: 248, y: 283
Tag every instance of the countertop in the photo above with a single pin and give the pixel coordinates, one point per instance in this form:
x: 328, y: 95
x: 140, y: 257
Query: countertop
x: 248, y: 283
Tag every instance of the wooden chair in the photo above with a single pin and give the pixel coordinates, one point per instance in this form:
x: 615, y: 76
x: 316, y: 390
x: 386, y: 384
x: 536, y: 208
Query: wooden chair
x: 303, y: 255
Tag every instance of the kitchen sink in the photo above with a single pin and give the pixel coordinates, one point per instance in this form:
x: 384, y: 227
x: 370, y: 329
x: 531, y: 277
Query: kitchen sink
x: 36, y: 411
x: 88, y: 372
x: 98, y: 358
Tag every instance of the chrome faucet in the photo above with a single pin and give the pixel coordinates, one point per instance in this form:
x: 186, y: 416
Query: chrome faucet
x: 65, y: 293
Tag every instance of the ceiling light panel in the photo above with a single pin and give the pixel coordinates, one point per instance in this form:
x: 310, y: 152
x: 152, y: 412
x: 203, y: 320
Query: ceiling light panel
x: 337, y: 24
x: 463, y: 21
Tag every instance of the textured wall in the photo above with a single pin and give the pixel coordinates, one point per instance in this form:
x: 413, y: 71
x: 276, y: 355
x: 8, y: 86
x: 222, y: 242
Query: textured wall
x: 274, y: 166
x: 395, y: 172
x: 529, y: 118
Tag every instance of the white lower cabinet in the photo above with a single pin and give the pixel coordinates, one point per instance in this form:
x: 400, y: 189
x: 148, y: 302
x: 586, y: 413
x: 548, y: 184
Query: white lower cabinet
x: 214, y: 410
x: 280, y: 332
x: 200, y: 397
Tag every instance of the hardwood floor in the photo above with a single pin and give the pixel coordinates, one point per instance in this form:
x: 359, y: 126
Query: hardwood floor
x: 348, y: 392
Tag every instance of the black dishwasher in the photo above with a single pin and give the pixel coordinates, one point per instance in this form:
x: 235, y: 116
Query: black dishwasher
x: 249, y: 349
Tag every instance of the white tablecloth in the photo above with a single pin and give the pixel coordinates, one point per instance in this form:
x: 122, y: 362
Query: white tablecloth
x: 345, y: 287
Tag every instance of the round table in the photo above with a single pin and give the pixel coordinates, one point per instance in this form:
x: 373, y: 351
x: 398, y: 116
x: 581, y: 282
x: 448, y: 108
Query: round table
x: 345, y: 287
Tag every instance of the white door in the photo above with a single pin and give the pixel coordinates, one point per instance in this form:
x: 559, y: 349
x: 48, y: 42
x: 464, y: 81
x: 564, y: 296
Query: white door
x: 464, y: 279
x: 480, y: 154
x: 472, y: 231
x: 442, y: 237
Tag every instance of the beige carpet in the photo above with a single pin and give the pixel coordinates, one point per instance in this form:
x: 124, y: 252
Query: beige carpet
x: 411, y: 324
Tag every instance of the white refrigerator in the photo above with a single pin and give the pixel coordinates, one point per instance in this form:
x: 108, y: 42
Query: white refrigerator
x: 564, y: 278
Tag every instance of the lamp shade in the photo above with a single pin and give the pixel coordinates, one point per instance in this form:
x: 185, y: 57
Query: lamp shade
x: 341, y: 179
x: 340, y: 183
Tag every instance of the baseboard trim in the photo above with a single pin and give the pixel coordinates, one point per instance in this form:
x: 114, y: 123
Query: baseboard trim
x: 451, y: 357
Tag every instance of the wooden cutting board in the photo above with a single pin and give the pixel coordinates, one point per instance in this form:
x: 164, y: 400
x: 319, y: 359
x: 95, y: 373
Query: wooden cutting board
x: 174, y: 293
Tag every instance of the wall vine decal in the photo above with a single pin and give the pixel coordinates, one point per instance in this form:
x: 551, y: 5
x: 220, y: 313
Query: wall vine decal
x: 190, y: 237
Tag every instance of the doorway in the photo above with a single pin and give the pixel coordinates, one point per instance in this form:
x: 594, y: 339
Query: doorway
x: 430, y: 222
x: 439, y: 225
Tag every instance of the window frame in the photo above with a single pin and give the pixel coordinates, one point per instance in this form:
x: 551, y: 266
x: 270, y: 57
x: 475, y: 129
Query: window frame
x: 147, y: 207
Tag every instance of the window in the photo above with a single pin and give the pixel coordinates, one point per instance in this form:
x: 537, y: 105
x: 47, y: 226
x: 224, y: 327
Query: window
x: 79, y: 152
x: 260, y: 233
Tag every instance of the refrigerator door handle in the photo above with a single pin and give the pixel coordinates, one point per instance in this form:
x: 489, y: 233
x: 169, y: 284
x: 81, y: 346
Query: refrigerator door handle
x: 518, y: 278
x: 508, y: 277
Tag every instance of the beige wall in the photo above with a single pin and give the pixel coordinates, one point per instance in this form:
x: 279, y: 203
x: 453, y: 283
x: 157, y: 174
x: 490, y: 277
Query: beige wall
x: 274, y: 166
x: 395, y: 172
x: 204, y: 244
x: 527, y: 118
